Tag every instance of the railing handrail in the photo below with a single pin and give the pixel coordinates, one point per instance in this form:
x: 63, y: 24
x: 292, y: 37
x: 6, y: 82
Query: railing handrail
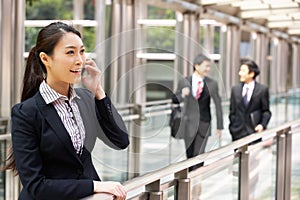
x: 179, y: 166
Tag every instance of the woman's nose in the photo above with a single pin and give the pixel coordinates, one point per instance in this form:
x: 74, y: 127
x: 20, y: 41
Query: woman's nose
x: 79, y: 60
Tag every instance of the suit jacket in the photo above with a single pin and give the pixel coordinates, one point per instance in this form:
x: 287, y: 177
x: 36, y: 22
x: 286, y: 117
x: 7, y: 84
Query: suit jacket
x: 46, y: 160
x: 240, y: 123
x: 199, y: 110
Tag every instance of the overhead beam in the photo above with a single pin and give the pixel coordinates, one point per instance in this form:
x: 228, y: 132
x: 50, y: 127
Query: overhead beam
x: 295, y: 31
x: 283, y: 24
x: 216, y: 2
x: 264, y: 13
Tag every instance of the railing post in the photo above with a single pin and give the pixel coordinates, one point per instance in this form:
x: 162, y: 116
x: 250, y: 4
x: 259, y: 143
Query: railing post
x: 280, y: 165
x: 183, y: 187
x: 288, y: 164
x: 135, y: 144
x: 244, y: 174
x: 154, y: 191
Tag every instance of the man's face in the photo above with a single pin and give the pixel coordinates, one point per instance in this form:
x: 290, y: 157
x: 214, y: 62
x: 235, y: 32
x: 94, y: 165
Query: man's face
x: 245, y: 75
x: 204, y: 68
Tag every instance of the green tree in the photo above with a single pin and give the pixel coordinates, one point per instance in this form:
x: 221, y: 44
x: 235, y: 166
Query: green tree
x: 49, y: 9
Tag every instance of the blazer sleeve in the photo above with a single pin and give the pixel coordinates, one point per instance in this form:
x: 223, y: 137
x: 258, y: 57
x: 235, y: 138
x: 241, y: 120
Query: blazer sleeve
x: 265, y: 109
x: 218, y: 103
x: 177, y: 96
x: 29, y: 162
x: 232, y: 108
x: 112, y: 123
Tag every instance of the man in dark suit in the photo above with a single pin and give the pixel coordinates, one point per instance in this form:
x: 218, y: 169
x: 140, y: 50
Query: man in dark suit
x: 196, y: 91
x: 249, y: 103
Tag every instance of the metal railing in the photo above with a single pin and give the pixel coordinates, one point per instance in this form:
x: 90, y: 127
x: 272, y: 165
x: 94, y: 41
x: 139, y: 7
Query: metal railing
x: 176, y: 177
x: 153, y: 185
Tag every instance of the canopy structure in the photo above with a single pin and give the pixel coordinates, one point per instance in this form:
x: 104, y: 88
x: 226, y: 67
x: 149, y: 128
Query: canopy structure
x: 279, y: 17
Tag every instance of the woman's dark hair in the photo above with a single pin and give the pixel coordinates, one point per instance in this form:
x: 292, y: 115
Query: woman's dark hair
x: 252, y: 67
x: 46, y: 41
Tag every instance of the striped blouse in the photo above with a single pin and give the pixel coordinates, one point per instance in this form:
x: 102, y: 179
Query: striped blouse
x: 68, y: 112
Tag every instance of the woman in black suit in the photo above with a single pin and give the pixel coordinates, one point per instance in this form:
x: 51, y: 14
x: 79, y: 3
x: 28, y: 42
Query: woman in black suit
x: 55, y: 126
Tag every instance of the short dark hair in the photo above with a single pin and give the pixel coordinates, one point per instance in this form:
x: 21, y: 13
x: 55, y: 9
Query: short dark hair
x: 200, y: 58
x: 252, y: 66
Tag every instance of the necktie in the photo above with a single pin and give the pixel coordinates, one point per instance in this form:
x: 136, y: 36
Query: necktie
x: 245, y: 97
x: 199, y: 90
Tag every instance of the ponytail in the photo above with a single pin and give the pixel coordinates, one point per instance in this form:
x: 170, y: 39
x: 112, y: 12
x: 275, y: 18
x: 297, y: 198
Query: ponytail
x: 33, y: 75
x: 10, y: 162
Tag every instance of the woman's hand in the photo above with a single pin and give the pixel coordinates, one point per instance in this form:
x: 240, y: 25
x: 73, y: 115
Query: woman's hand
x: 110, y: 187
x: 91, y: 80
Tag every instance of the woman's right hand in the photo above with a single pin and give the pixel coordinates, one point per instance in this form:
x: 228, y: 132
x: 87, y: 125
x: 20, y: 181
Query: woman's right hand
x: 111, y: 187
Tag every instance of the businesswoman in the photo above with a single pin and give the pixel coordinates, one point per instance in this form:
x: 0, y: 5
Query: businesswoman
x: 55, y: 126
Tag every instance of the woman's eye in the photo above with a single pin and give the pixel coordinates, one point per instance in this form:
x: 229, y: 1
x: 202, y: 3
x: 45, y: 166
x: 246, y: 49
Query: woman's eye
x: 70, y: 52
x: 82, y: 51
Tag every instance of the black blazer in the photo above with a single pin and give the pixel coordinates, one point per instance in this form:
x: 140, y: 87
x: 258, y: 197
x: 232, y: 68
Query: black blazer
x: 46, y: 160
x: 199, y: 110
x: 240, y: 123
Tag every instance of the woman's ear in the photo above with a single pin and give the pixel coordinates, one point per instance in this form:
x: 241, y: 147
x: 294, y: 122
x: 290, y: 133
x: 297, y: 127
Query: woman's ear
x: 44, y: 58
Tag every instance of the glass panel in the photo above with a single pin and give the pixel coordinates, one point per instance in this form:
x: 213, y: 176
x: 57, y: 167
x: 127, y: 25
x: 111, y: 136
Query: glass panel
x: 160, y: 13
x: 169, y: 193
x: 295, y: 175
x: 155, y: 143
x: 111, y: 164
x: 159, y: 80
x: 30, y: 37
x: 160, y: 39
x: 88, y: 37
x: 245, y: 46
x: 2, y: 173
x: 209, y: 186
x: 89, y: 9
x: 217, y: 39
x: 262, y: 167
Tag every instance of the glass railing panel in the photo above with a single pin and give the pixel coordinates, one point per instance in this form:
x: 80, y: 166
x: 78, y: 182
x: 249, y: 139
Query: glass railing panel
x: 169, y: 194
x: 217, y: 182
x: 295, y: 173
x: 262, y: 168
x: 110, y: 164
x: 2, y: 173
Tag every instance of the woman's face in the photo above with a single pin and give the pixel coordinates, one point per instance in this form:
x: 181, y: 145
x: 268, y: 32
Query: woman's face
x: 66, y: 63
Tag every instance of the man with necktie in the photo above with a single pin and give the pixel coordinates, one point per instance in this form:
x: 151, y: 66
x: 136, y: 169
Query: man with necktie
x: 196, y: 91
x: 249, y: 103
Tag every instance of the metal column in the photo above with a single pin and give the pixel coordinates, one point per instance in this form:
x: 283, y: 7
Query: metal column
x: 279, y: 66
x: 296, y: 66
x: 260, y: 56
x: 137, y: 90
x: 189, y: 42
x: 11, y: 69
x: 232, y: 56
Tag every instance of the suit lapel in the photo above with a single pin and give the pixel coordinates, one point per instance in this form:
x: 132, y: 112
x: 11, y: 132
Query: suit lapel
x: 240, y: 96
x: 54, y: 121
